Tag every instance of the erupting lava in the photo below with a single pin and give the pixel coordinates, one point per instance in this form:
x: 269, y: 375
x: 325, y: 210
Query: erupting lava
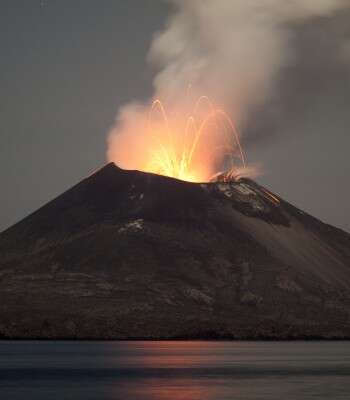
x: 195, y: 144
x: 177, y: 150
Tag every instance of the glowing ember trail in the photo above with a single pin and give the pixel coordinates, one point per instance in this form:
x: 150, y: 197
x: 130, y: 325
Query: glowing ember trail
x: 184, y: 150
x: 195, y: 143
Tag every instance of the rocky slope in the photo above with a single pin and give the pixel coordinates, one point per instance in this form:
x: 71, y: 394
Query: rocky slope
x: 126, y: 254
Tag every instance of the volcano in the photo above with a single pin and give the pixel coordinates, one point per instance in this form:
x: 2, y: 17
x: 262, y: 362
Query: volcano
x: 128, y: 254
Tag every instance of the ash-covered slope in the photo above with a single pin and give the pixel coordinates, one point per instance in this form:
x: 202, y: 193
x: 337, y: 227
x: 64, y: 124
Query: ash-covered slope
x: 126, y: 254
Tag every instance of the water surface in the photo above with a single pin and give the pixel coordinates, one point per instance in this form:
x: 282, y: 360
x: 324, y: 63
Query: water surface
x: 174, y: 370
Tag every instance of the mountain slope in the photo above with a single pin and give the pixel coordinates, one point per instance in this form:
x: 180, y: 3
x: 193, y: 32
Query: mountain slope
x: 126, y: 254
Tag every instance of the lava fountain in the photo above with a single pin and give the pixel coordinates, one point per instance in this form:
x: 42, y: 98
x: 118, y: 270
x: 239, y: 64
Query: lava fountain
x: 194, y: 143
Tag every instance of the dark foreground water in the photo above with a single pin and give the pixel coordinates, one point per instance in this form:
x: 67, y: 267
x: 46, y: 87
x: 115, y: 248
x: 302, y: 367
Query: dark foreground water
x: 174, y: 370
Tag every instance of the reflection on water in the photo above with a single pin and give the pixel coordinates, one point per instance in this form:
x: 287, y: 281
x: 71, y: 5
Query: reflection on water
x: 175, y: 370
x: 176, y: 389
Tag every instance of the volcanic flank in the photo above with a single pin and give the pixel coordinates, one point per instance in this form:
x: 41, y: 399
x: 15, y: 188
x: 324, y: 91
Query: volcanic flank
x: 128, y: 254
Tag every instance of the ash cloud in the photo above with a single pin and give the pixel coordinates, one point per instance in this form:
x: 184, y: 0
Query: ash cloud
x: 233, y: 51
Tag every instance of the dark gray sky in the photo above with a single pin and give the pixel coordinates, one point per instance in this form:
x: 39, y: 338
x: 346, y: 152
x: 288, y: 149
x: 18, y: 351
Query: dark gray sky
x: 66, y: 66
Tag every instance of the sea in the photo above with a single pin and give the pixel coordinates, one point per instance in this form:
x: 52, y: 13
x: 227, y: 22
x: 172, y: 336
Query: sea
x: 174, y: 370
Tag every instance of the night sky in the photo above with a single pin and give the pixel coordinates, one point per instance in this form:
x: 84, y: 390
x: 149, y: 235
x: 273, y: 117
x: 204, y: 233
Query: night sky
x: 66, y: 67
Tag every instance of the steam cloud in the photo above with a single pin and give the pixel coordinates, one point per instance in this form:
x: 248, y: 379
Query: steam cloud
x: 228, y: 50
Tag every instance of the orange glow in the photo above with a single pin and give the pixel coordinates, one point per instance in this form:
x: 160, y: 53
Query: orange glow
x: 192, y: 142
x: 271, y: 196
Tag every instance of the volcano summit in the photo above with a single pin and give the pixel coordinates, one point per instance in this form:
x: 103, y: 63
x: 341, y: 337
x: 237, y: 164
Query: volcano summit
x: 128, y: 254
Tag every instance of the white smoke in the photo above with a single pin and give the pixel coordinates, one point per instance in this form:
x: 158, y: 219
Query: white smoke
x: 230, y: 50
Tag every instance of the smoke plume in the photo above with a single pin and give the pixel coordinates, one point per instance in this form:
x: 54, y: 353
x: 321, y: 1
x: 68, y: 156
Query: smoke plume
x: 229, y: 50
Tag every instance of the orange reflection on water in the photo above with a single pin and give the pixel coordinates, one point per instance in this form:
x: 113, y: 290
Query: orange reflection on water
x: 175, y: 389
x: 174, y: 370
